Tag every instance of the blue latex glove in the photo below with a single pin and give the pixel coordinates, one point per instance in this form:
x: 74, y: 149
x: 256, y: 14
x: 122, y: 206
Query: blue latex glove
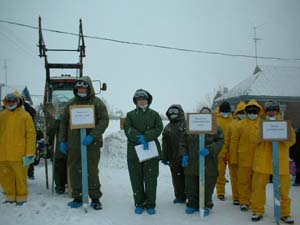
x: 141, y: 140
x: 204, y: 152
x: 28, y: 159
x: 87, y: 140
x: 165, y: 162
x: 63, y: 147
x: 184, y: 160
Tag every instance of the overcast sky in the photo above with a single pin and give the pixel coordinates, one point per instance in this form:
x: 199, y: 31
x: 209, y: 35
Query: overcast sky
x: 170, y: 76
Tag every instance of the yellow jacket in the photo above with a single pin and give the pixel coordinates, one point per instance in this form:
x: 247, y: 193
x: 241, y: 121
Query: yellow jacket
x: 245, y: 139
x: 263, y: 158
x: 17, y: 135
x: 224, y: 124
x: 232, y: 156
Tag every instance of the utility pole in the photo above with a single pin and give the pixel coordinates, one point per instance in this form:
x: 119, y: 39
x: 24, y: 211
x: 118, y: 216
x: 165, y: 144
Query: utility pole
x: 5, y: 70
x: 255, y: 43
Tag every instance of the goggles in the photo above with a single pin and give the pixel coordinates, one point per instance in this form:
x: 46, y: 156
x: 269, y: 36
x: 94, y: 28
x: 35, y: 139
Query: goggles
x: 272, y: 108
x: 11, y: 97
x: 81, y: 84
x: 140, y: 95
x: 252, y: 111
x: 173, y: 111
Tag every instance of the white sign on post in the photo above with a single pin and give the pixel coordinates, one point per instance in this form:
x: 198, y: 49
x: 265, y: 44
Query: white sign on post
x: 82, y: 116
x: 201, y: 123
x: 275, y: 131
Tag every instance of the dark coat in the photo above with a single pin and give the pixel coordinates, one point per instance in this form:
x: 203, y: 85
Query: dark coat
x: 189, y: 144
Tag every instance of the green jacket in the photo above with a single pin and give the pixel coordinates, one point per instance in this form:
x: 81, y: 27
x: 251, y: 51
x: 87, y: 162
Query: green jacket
x: 189, y: 144
x: 72, y: 137
x: 139, y: 122
x: 171, y: 137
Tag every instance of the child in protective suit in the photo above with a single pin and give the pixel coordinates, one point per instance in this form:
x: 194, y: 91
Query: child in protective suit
x: 18, y: 142
x: 170, y: 149
x: 189, y: 148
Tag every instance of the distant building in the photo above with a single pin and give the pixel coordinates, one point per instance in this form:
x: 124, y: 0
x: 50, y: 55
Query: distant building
x: 281, y: 84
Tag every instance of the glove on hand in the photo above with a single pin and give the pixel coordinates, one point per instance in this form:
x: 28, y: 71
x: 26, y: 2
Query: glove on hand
x: 204, y: 152
x: 165, y: 162
x: 63, y: 147
x: 141, y: 140
x: 28, y: 159
x: 184, y: 160
x: 87, y: 140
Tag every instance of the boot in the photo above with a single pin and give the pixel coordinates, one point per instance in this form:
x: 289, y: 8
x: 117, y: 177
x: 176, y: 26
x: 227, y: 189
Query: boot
x: 96, y: 204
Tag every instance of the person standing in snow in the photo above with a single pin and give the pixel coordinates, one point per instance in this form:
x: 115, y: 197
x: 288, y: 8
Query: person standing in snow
x: 189, y: 149
x: 263, y: 167
x: 244, y: 142
x: 60, y: 159
x: 224, y: 119
x: 70, y: 143
x: 230, y: 157
x: 28, y: 108
x: 295, y: 156
x: 17, y: 140
x: 141, y: 126
x: 170, y: 149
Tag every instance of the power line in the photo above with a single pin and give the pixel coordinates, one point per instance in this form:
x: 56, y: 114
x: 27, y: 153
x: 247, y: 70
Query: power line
x: 154, y: 45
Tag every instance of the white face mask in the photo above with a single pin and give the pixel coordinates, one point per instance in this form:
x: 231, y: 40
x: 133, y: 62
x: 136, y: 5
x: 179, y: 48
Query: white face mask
x: 173, y: 116
x: 82, y: 95
x: 241, y: 116
x: 225, y: 115
x: 143, y: 106
x: 271, y: 117
x: 252, y: 116
x: 12, y: 107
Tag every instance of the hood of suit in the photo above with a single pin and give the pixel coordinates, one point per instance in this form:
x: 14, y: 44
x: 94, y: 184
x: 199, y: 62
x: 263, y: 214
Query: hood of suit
x: 87, y: 80
x: 240, y: 107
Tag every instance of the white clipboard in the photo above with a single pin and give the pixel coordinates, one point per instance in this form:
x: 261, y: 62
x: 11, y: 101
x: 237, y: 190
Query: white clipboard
x: 144, y: 155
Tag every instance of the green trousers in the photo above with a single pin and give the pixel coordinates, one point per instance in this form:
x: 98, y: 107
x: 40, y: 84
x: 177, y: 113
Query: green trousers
x: 74, y: 164
x: 143, y: 178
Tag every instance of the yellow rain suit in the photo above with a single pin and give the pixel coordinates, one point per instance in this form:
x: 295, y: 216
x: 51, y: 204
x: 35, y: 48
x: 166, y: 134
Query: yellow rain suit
x: 232, y: 156
x: 244, y: 141
x: 263, y: 167
x: 17, y: 139
x: 221, y: 180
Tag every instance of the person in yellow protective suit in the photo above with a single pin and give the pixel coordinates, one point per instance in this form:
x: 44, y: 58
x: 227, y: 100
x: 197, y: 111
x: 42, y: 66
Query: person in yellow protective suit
x: 230, y: 157
x: 224, y: 119
x: 263, y: 167
x: 244, y: 141
x: 17, y: 141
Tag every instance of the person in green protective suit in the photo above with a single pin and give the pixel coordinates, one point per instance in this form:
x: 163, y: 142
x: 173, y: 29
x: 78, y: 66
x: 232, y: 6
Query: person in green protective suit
x: 189, y: 148
x: 170, y: 149
x: 141, y: 126
x: 69, y: 140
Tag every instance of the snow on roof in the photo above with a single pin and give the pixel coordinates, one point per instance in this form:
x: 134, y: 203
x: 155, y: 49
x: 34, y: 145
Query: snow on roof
x: 270, y: 81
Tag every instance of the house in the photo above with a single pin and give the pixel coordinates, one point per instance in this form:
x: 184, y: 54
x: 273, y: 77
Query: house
x: 278, y: 83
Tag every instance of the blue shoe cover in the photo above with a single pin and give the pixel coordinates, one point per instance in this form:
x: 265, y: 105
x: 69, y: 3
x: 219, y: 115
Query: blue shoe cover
x: 151, y: 211
x: 206, y: 211
x: 190, y: 210
x: 138, y: 210
x: 20, y: 203
x: 74, y: 204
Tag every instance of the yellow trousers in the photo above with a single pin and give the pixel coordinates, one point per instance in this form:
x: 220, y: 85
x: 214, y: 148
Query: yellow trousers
x: 244, y: 185
x: 233, y: 170
x: 221, y: 180
x: 13, y: 178
x: 258, y: 197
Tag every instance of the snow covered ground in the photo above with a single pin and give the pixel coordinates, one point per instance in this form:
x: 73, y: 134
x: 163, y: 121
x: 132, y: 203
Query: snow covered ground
x: 45, y: 208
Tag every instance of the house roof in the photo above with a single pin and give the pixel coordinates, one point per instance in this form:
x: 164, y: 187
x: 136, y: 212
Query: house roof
x: 269, y: 82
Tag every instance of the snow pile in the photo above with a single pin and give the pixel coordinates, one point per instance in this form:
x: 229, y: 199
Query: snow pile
x: 114, y: 150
